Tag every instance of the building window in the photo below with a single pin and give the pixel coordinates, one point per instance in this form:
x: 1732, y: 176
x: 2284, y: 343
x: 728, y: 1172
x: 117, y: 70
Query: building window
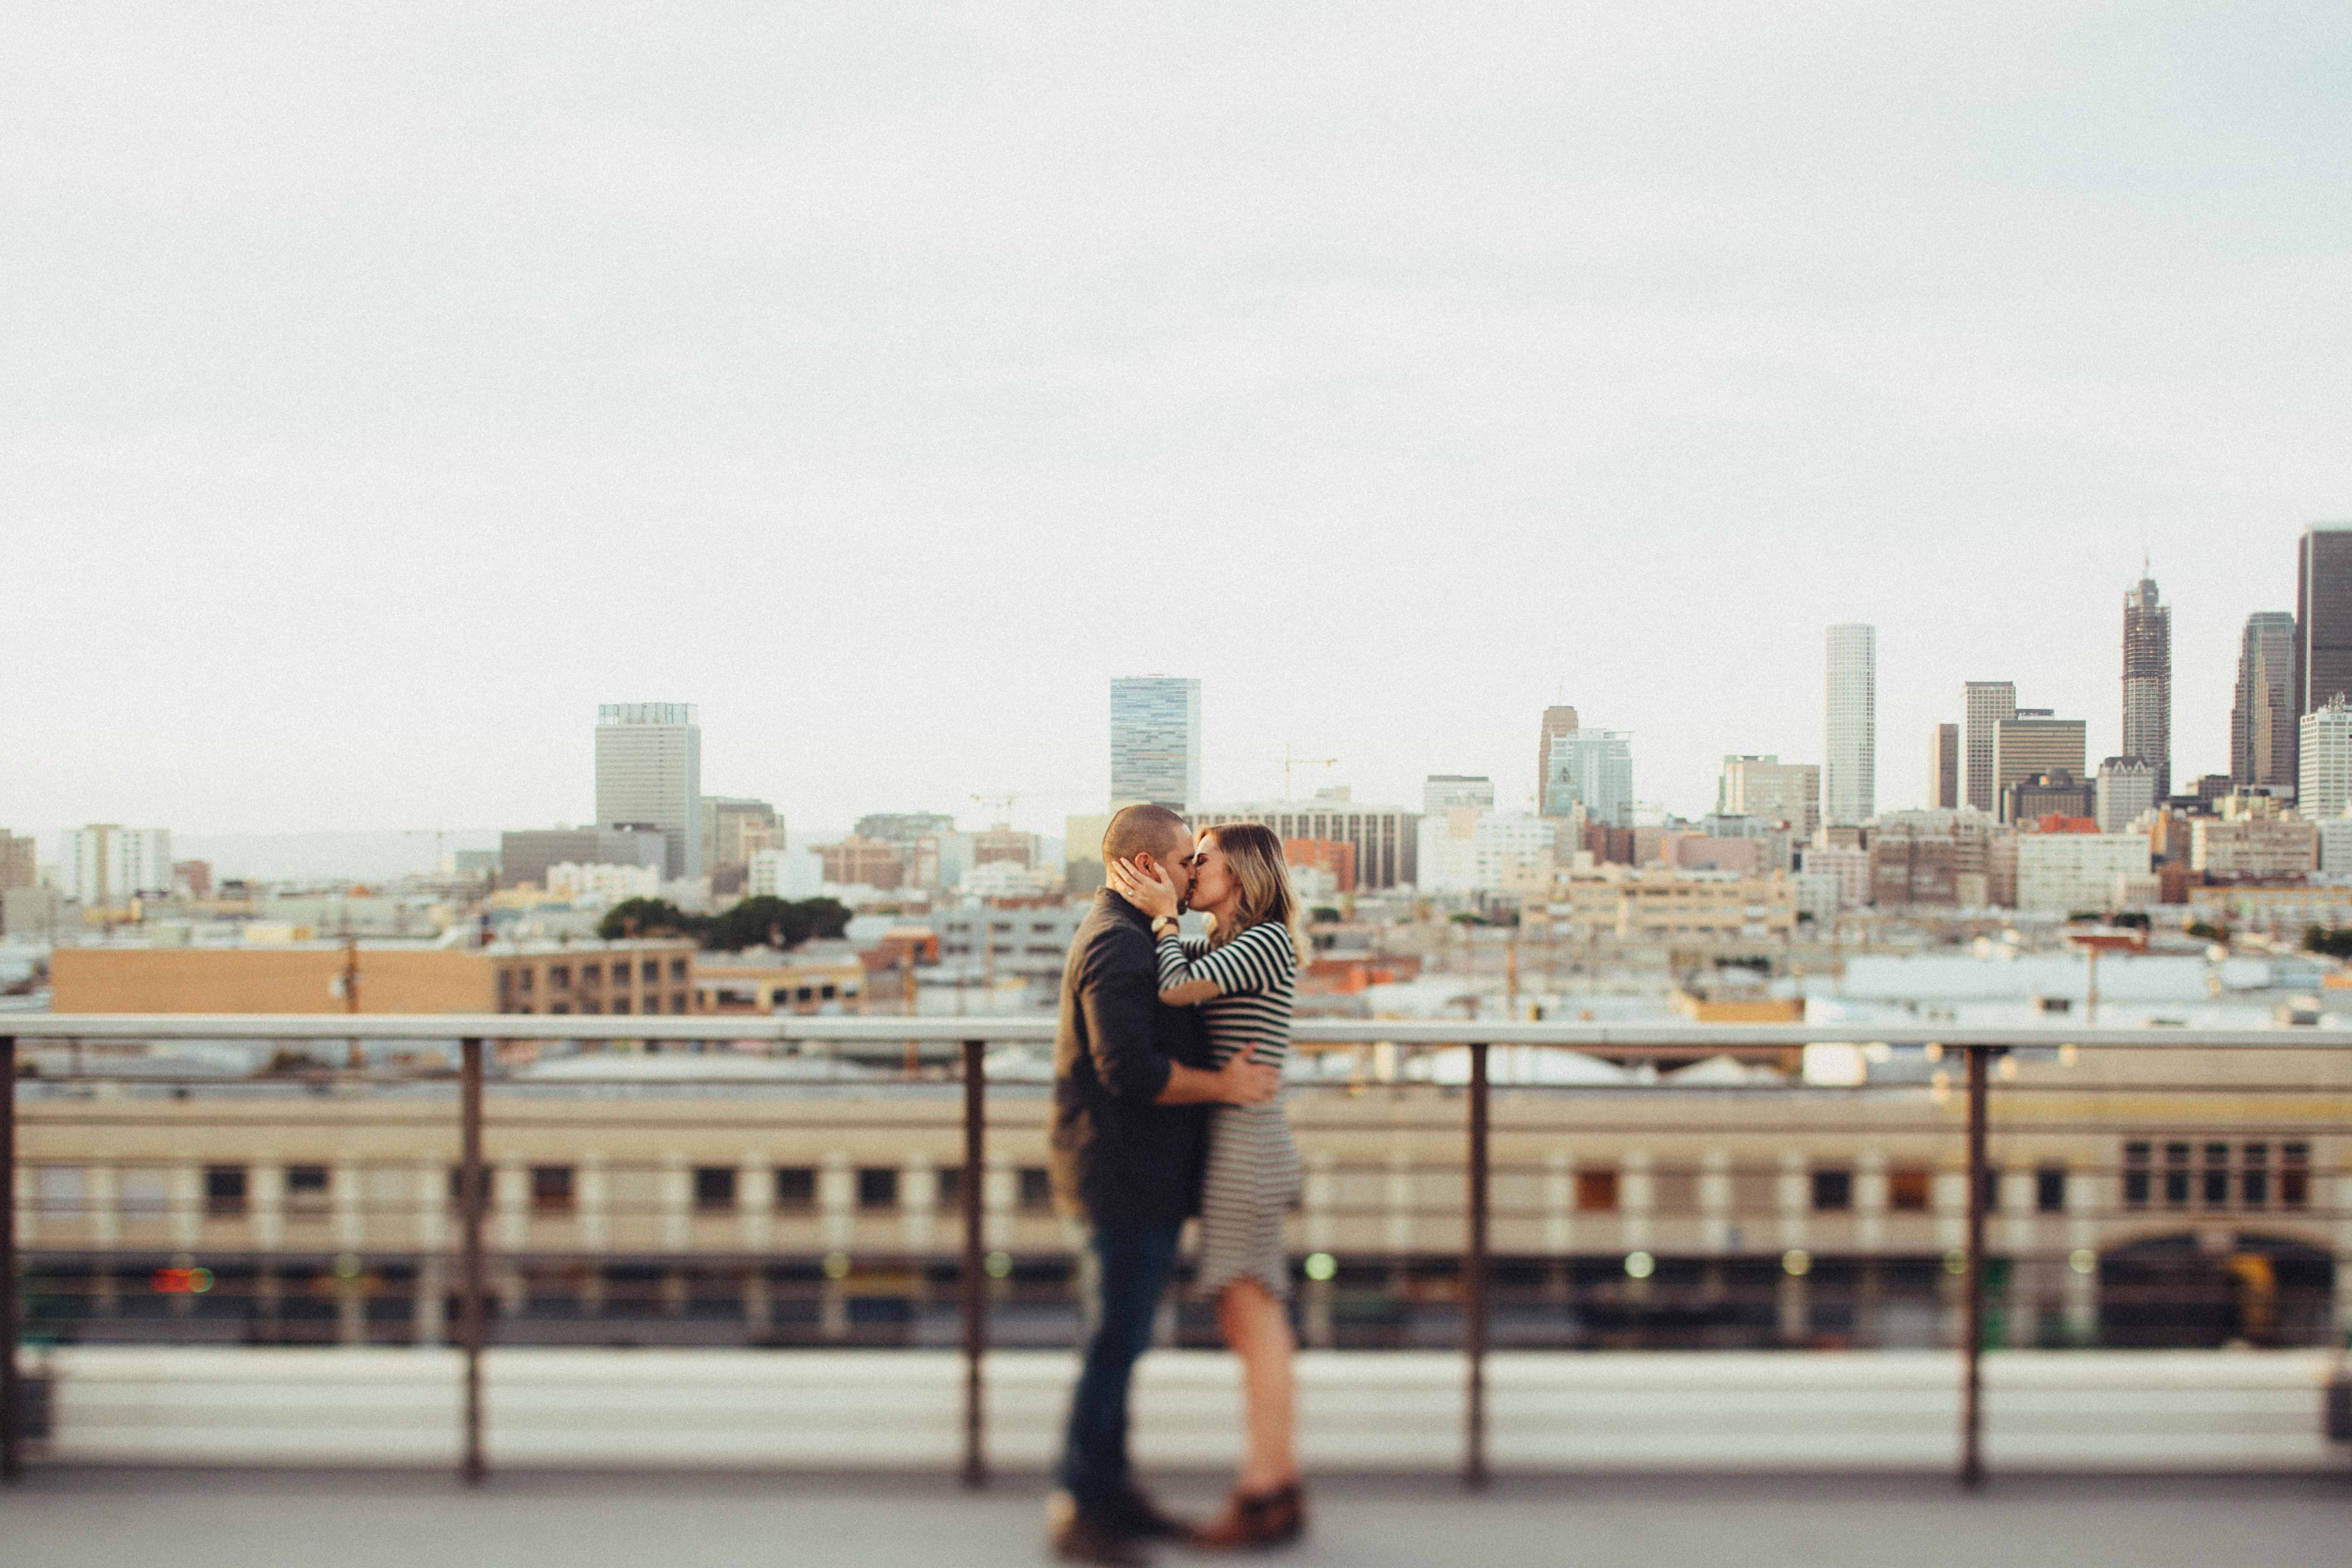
x: 1833, y: 1190
x: 620, y: 1003
x: 589, y: 1005
x: 2255, y: 1175
x: 592, y: 974
x: 559, y: 978
x: 950, y: 1185
x: 651, y: 972
x: 559, y: 1007
x: 2050, y: 1189
x: 2136, y: 1176
x: 522, y: 979
x: 145, y: 1193
x: 552, y: 1190
x: 1036, y: 1188
x: 795, y: 1187
x: 677, y: 1002
x: 714, y: 1188
x: 2295, y: 1175
x: 677, y: 971
x: 225, y: 1190
x: 1907, y: 1189
x: 2176, y: 1175
x: 877, y: 1186
x: 2216, y: 1184
x: 57, y: 1191
x: 1596, y: 1192
x: 306, y: 1189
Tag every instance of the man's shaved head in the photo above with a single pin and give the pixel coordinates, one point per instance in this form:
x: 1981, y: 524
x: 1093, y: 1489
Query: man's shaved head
x: 1153, y: 830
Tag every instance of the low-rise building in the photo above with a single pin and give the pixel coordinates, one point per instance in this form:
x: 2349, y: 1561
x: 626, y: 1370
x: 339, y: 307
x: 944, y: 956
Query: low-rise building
x: 2286, y: 909
x: 1658, y: 904
x: 2065, y: 872
x: 2258, y: 838
x: 583, y: 977
x: 828, y: 977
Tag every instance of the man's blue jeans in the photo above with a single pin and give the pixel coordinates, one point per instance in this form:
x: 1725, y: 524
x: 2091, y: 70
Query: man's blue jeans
x: 1132, y: 1263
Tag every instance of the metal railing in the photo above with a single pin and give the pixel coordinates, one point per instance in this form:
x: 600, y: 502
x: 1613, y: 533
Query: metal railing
x: 1978, y: 1049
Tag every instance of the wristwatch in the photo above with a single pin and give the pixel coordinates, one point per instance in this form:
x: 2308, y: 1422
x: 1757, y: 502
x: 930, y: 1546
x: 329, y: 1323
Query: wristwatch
x: 1165, y: 926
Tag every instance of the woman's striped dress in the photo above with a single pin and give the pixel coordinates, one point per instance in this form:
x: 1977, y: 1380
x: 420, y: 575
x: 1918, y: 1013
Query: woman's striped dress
x: 1253, y: 1173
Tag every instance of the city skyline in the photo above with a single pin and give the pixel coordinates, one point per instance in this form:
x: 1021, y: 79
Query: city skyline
x: 1598, y: 347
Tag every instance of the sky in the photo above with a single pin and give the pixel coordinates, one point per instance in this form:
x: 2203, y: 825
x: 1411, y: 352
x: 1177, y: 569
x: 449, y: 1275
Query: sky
x: 382, y: 387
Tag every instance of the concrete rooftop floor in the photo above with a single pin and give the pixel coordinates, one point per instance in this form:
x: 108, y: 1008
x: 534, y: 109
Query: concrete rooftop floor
x: 70, y: 1518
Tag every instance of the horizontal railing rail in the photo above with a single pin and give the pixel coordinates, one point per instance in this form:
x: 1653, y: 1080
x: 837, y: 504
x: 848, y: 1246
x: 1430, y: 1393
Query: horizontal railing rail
x: 1971, y: 1050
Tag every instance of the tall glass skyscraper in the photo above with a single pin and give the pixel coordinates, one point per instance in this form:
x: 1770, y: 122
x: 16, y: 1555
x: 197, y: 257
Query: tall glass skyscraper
x: 1155, y: 741
x: 2148, y: 682
x: 2262, y: 720
x: 1850, y: 766
x: 2323, y: 615
x: 649, y: 775
x: 1990, y: 704
x: 1593, y: 769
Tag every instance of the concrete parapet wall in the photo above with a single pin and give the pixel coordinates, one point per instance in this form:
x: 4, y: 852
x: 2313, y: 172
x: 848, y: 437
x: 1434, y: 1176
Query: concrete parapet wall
x: 683, y: 1410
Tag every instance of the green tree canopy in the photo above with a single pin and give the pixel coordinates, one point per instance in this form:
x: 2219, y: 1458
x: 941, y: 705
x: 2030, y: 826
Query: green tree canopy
x: 648, y: 917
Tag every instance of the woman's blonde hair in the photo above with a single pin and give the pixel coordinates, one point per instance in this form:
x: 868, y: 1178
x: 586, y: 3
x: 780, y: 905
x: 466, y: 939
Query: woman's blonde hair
x: 1254, y: 858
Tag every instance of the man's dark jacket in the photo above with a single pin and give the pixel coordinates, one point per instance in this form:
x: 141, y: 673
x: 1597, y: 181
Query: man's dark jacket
x: 1118, y: 1159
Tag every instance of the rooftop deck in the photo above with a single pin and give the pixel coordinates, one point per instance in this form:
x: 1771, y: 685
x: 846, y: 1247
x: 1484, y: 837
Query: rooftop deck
x: 72, y: 1517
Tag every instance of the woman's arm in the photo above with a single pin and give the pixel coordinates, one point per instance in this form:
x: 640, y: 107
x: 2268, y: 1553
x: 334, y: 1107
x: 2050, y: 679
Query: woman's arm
x: 1236, y: 969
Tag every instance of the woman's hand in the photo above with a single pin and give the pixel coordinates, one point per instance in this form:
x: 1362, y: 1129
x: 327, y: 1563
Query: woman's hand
x: 1155, y: 895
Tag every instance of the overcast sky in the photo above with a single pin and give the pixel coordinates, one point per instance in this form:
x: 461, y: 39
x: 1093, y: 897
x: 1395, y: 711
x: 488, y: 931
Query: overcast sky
x: 380, y: 392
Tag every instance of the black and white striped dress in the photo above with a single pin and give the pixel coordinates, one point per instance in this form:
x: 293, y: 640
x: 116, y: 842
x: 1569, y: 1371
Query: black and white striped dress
x: 1253, y: 1176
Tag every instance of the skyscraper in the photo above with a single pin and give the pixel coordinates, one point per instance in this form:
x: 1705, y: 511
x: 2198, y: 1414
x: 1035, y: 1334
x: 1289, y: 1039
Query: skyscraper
x: 1557, y: 721
x: 1850, y: 763
x: 1944, y: 768
x: 2263, y: 719
x: 112, y: 864
x: 1988, y: 702
x: 2324, y: 788
x: 2323, y: 615
x: 1155, y: 741
x: 2147, y: 681
x: 2034, y: 743
x: 1593, y: 769
x: 649, y: 776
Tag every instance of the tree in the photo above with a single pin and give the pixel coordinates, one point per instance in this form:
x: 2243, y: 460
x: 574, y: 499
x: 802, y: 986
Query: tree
x: 648, y: 917
x: 775, y: 922
x: 2333, y: 944
x: 2205, y: 931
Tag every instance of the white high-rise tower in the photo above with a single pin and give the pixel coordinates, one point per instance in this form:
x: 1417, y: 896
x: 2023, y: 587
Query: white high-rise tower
x: 1155, y: 741
x: 1850, y: 764
x: 649, y: 775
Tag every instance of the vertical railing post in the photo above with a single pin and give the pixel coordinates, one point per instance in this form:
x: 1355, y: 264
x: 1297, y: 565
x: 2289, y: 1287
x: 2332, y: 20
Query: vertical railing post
x: 11, y: 1395
x: 1972, y: 1283
x: 472, y: 1196
x: 1474, y: 1282
x: 973, y: 1279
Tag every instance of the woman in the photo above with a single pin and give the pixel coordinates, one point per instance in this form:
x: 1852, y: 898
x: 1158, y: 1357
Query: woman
x: 1241, y: 979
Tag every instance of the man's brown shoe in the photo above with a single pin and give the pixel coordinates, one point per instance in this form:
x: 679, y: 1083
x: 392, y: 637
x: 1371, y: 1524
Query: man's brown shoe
x: 1134, y: 1511
x: 1090, y: 1535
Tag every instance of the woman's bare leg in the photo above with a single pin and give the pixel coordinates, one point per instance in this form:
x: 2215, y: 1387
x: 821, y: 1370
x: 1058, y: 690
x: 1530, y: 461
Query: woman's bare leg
x: 1258, y: 1330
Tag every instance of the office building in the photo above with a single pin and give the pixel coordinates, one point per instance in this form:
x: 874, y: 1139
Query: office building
x: 1660, y: 905
x: 1944, y: 768
x: 2126, y: 788
x: 1849, y: 763
x: 857, y: 862
x: 784, y: 874
x: 649, y: 776
x: 2147, y: 681
x: 1155, y: 741
x: 1387, y: 838
x: 1329, y: 857
x: 2057, y: 793
x: 19, y: 861
x: 906, y: 826
x: 1557, y: 721
x: 1989, y: 705
x: 2323, y: 615
x: 2263, y: 719
x: 1932, y: 859
x: 2256, y: 837
x: 2334, y: 845
x: 2324, y: 749
x: 1772, y: 791
x: 526, y: 857
x: 2033, y: 742
x: 2070, y: 873
x: 112, y: 864
x: 1442, y: 793
x: 1592, y: 768
x: 732, y: 828
x: 648, y: 976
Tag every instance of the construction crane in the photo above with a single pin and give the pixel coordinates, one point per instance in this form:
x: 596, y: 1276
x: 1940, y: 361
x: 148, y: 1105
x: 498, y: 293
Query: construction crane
x: 1290, y: 761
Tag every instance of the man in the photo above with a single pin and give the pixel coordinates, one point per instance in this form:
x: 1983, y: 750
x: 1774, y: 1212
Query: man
x: 1132, y: 1085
